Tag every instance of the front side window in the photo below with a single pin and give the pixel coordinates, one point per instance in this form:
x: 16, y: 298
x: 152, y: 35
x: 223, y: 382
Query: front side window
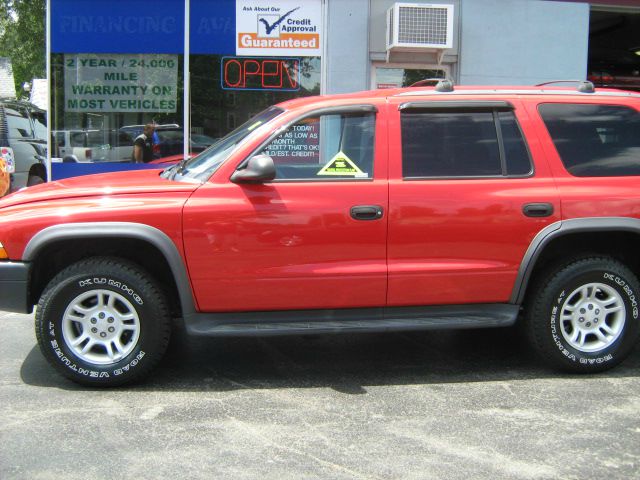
x: 325, y: 147
x: 457, y: 143
x: 595, y: 140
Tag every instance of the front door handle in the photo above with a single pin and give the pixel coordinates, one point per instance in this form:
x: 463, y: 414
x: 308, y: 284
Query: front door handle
x: 538, y: 209
x: 366, y: 212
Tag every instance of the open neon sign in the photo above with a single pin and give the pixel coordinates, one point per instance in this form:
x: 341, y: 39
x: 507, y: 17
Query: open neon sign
x: 248, y: 73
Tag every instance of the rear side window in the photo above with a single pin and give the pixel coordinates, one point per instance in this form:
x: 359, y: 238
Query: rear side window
x: 515, y: 150
x: 78, y: 139
x: 95, y: 139
x: 595, y: 140
x: 458, y: 143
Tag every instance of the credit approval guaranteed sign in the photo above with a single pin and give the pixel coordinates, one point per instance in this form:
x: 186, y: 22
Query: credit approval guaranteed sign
x: 279, y: 28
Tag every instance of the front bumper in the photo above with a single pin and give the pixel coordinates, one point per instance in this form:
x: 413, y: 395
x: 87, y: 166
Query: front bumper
x: 14, y: 287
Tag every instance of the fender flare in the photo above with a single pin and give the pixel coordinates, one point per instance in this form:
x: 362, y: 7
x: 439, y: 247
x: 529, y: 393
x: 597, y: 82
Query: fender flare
x: 559, y: 229
x: 138, y: 231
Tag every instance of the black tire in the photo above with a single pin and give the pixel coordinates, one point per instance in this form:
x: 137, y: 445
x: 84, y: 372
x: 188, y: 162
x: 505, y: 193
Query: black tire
x: 99, y: 295
x: 567, y: 320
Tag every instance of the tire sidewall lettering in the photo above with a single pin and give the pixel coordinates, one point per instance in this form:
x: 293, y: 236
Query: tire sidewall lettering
x: 66, y: 357
x: 88, y: 372
x: 608, y: 353
x: 627, y: 291
x: 120, y: 287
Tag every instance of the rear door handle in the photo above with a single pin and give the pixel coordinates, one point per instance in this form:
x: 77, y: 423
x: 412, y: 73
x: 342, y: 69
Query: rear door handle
x: 366, y: 212
x: 538, y: 209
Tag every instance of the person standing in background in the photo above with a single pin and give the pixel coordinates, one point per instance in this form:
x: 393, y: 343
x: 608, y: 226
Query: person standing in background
x: 143, y: 145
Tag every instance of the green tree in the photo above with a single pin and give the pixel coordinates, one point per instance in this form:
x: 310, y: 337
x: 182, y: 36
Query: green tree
x: 22, y: 38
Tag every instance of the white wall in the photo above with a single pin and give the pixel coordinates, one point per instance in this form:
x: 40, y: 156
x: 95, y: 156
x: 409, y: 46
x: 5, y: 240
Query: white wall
x: 522, y: 42
x: 347, y: 59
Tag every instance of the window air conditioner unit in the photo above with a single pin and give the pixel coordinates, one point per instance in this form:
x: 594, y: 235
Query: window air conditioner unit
x: 415, y: 27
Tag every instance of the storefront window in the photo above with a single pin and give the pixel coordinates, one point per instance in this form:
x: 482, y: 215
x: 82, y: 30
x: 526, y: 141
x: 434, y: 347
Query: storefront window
x: 226, y: 91
x: 101, y: 102
x: 401, y: 76
x: 116, y: 66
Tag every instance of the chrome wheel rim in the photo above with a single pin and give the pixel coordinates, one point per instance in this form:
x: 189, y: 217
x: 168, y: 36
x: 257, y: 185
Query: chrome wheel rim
x: 101, y: 327
x: 592, y: 317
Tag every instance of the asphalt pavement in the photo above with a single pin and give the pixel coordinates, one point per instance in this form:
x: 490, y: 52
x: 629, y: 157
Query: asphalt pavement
x: 433, y: 405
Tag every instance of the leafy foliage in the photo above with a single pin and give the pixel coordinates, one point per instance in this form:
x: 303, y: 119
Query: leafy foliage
x: 22, y: 38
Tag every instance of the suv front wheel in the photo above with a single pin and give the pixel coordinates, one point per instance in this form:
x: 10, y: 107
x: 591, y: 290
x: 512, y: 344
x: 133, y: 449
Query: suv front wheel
x: 585, y: 319
x: 103, y: 322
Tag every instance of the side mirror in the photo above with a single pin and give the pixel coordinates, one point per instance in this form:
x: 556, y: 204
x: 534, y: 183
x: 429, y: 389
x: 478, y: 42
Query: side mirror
x: 259, y: 169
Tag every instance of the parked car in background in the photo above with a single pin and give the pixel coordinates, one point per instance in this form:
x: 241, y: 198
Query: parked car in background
x: 171, y: 141
x: 135, y: 130
x: 23, y: 129
x: 200, y: 142
x: 168, y: 139
x: 93, y: 145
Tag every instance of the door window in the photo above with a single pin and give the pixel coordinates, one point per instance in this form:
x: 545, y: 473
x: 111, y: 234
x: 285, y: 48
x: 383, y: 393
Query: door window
x: 325, y: 147
x: 457, y: 143
x: 18, y: 122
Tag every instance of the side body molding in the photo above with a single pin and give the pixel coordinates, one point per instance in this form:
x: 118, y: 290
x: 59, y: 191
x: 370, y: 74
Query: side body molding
x: 558, y: 229
x: 120, y: 230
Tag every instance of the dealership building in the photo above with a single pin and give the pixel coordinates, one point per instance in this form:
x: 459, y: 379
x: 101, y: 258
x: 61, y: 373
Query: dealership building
x: 204, y: 67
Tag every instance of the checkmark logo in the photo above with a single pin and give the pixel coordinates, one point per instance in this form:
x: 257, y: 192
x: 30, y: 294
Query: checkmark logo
x: 271, y: 27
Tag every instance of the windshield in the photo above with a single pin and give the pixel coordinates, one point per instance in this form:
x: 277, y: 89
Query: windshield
x: 206, y: 163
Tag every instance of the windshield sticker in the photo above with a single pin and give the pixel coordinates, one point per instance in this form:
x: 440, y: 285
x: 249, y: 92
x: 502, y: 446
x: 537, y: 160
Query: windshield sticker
x: 341, y: 165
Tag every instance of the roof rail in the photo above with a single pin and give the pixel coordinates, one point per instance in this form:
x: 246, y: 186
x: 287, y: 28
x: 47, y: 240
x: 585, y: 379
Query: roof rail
x: 442, y: 84
x: 584, y: 86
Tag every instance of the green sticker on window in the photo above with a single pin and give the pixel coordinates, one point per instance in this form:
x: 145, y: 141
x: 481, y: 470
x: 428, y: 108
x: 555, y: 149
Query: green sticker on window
x: 341, y: 165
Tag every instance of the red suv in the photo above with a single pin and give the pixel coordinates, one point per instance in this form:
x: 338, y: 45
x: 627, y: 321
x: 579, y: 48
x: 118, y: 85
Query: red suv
x: 405, y: 209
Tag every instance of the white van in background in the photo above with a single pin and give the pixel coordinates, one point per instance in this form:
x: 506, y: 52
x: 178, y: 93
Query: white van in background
x: 92, y: 145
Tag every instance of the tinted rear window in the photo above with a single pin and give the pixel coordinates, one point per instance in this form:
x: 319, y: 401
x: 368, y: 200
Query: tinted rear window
x: 449, y: 144
x: 595, y: 140
x: 460, y: 143
x: 515, y: 149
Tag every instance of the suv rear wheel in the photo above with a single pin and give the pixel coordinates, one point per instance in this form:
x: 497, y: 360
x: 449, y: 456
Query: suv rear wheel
x: 585, y: 319
x: 103, y: 322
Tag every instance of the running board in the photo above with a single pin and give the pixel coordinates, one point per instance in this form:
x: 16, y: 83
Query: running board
x: 351, y: 320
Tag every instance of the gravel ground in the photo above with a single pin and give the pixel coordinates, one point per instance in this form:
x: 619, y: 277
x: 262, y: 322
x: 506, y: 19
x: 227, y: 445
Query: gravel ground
x: 450, y: 405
